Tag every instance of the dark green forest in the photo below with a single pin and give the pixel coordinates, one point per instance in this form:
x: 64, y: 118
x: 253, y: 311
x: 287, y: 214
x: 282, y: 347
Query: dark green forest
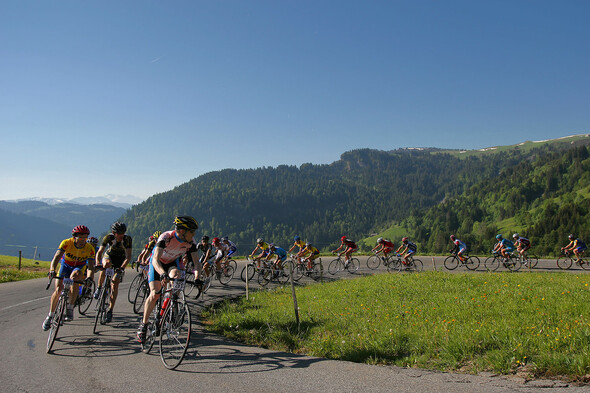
x: 432, y: 193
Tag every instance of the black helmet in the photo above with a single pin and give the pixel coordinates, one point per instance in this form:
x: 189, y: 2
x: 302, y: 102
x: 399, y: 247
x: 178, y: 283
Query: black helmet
x: 205, y: 238
x: 119, y: 227
x: 186, y: 222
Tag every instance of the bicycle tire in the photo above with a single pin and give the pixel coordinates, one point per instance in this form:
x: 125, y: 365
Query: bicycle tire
x: 250, y: 270
x: 373, y: 262
x: 491, y: 264
x: 298, y: 271
x: 189, y: 283
x: 532, y: 260
x: 233, y: 263
x: 284, y: 272
x: 56, y: 322
x: 175, y: 334
x: 140, y: 296
x: 451, y: 262
x: 264, y: 276
x: 564, y: 263
x: 394, y: 265
x: 84, y: 300
x: 472, y: 263
x: 514, y: 264
x: 150, y: 337
x: 227, y: 273
x: 416, y: 266
x: 583, y: 264
x: 100, y: 309
x: 135, y: 283
x: 334, y: 266
x: 317, y: 271
x: 353, y: 265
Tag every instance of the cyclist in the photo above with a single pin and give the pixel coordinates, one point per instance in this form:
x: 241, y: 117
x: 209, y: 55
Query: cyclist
x: 505, y: 246
x: 577, y: 246
x: 166, y: 261
x: 263, y: 247
x: 281, y: 256
x: 522, y: 244
x: 298, y: 243
x: 206, y: 252
x: 220, y: 253
x: 459, y: 247
x: 409, y: 247
x: 115, y: 251
x: 310, y: 253
x: 232, y: 246
x: 144, y: 256
x: 73, y: 255
x: 349, y: 247
x: 384, y: 246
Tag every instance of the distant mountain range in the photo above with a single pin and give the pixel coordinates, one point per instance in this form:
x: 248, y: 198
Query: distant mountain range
x: 124, y: 201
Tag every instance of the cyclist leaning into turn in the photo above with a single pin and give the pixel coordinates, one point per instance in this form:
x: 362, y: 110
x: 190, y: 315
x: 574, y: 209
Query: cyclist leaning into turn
x: 522, y: 243
x: 458, y: 247
x: 166, y: 261
x: 73, y: 255
x: 384, y: 246
x: 309, y: 253
x: 263, y: 247
x: 298, y: 243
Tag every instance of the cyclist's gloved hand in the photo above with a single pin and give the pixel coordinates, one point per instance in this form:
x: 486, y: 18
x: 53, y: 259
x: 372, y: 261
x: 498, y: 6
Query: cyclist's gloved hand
x: 164, y: 276
x: 51, y: 274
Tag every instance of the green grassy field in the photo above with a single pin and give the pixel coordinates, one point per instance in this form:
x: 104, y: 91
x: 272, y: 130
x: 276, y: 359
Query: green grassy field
x: 29, y: 269
x: 536, y: 325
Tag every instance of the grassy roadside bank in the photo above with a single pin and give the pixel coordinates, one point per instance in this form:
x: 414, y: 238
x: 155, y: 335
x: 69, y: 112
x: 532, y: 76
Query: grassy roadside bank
x: 29, y: 269
x: 535, y: 325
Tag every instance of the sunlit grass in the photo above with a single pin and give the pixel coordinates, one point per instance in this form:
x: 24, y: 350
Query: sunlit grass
x: 29, y: 269
x: 537, y: 323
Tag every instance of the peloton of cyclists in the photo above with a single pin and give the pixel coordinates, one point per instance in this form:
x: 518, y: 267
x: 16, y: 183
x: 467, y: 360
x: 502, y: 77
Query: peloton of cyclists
x: 73, y: 256
x: 577, y: 246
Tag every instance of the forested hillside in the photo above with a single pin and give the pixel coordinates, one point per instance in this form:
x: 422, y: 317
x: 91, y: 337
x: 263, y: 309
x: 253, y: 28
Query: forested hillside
x: 362, y: 193
x: 544, y: 199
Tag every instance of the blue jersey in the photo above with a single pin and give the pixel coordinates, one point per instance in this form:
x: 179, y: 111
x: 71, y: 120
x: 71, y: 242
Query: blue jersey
x: 280, y: 252
x: 507, y: 243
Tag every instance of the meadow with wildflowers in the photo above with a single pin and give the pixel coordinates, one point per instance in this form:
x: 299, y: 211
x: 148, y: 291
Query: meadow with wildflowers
x: 537, y: 324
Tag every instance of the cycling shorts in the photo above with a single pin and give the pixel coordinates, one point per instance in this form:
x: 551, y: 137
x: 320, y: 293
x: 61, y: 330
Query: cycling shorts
x: 461, y: 249
x: 115, y: 263
x: 581, y: 248
x: 66, y: 270
x: 153, y: 275
x: 387, y: 250
x: 351, y: 249
x: 411, y: 252
x: 232, y: 250
x: 219, y: 255
x: 509, y: 249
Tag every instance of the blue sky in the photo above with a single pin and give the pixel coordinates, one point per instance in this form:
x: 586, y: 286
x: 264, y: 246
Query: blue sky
x: 137, y: 97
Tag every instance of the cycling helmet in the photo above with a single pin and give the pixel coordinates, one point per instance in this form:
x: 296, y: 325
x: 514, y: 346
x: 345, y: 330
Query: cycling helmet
x: 118, y: 227
x: 271, y: 246
x: 404, y: 239
x: 157, y: 234
x: 571, y: 236
x: 215, y: 240
x: 81, y: 230
x: 453, y: 237
x: 260, y: 240
x: 225, y: 239
x: 92, y: 240
x: 515, y: 236
x: 380, y: 240
x: 296, y: 238
x: 185, y: 222
x: 343, y: 238
x: 307, y: 245
x: 205, y: 238
x: 499, y: 236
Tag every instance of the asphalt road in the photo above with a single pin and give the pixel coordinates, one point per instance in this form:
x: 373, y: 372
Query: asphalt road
x: 111, y: 360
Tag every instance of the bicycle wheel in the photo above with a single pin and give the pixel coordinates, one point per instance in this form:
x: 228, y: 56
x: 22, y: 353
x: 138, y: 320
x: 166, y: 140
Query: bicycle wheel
x: 100, y: 309
x: 353, y: 265
x: 531, y: 260
x: 472, y: 263
x: 175, y: 334
x: 583, y: 264
x: 492, y: 264
x: 394, y: 265
x: 265, y: 275
x: 416, y: 265
x: 514, y: 264
x: 286, y: 267
x: 189, y: 283
x: 373, y: 262
x: 227, y: 273
x: 85, y: 298
x: 317, y: 271
x: 56, y: 322
x: 135, y: 283
x: 248, y: 271
x: 298, y: 270
x: 334, y: 266
x: 233, y: 263
x: 140, y: 295
x: 564, y: 263
x: 451, y: 262
x: 150, y: 336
